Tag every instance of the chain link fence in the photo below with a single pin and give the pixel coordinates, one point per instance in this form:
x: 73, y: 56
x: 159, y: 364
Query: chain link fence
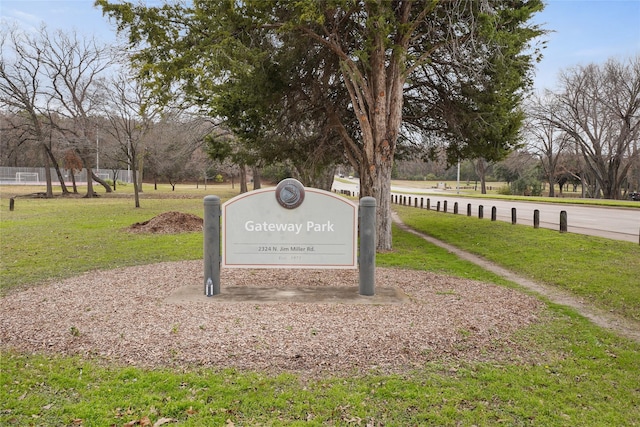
x: 36, y: 176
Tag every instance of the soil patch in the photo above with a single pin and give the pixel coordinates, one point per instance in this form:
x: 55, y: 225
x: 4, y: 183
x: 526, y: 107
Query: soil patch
x: 169, y: 223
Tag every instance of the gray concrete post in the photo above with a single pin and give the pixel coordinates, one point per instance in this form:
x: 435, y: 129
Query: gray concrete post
x: 367, y: 258
x: 211, y: 233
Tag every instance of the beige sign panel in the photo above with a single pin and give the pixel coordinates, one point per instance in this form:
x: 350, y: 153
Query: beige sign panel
x: 289, y: 226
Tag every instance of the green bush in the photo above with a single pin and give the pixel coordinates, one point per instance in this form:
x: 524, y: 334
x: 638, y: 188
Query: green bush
x: 526, y: 186
x: 505, y: 190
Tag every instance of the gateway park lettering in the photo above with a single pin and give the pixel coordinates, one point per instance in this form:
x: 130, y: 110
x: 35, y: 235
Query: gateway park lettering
x: 311, y: 226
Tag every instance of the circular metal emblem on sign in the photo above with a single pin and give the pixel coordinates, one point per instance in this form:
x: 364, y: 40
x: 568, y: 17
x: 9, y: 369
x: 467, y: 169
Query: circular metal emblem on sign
x: 290, y: 193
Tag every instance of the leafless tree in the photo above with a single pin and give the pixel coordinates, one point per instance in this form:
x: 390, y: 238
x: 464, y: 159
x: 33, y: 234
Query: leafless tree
x: 175, y: 139
x: 130, y: 118
x: 23, y: 96
x: 599, y: 108
x: 15, y: 149
x: 545, y: 139
x: 572, y: 169
x: 74, y: 66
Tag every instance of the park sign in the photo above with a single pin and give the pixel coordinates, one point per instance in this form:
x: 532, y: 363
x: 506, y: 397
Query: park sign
x: 289, y: 226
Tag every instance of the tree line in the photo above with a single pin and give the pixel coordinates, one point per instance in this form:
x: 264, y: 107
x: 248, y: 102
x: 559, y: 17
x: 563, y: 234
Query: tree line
x: 69, y: 101
x: 589, y: 130
x: 315, y: 84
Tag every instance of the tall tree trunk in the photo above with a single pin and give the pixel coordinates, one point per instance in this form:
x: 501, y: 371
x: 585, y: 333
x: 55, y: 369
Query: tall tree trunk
x: 481, y: 170
x: 115, y: 178
x: 73, y: 181
x: 90, y: 192
x: 63, y: 186
x: 136, y: 193
x: 243, y: 179
x: 552, y: 190
x: 47, y: 174
x: 377, y: 99
x: 87, y: 161
x: 256, y: 178
x: 382, y: 191
x: 140, y: 170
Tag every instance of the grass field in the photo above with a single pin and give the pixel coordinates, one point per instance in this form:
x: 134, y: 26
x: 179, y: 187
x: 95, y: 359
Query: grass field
x: 583, y: 376
x: 600, y: 271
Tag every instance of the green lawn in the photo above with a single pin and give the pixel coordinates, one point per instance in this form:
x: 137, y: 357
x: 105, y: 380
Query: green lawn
x: 61, y: 237
x: 603, y: 272
x: 583, y: 375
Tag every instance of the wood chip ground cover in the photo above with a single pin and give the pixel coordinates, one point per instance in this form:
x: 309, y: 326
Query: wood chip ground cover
x: 121, y: 316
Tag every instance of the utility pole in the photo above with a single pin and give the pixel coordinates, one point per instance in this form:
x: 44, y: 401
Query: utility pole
x: 458, y: 183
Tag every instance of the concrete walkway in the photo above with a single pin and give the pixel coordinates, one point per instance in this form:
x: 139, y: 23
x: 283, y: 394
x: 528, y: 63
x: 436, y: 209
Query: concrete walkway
x: 624, y: 327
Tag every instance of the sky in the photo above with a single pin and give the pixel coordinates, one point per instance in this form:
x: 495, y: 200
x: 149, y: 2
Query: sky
x: 582, y: 31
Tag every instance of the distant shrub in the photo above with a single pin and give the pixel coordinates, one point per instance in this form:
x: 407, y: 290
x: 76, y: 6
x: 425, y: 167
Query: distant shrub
x: 505, y: 190
x: 526, y: 187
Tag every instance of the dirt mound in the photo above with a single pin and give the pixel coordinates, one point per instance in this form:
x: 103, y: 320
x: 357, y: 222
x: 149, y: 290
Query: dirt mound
x: 169, y: 223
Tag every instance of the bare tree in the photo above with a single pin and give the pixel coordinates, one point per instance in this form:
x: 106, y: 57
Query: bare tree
x: 634, y: 171
x: 130, y: 118
x: 572, y: 169
x: 175, y: 140
x: 599, y: 109
x: 23, y: 96
x: 200, y: 165
x: 546, y: 139
x: 74, y: 66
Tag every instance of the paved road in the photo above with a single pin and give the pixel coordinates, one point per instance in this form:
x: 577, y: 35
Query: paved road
x: 609, y: 222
